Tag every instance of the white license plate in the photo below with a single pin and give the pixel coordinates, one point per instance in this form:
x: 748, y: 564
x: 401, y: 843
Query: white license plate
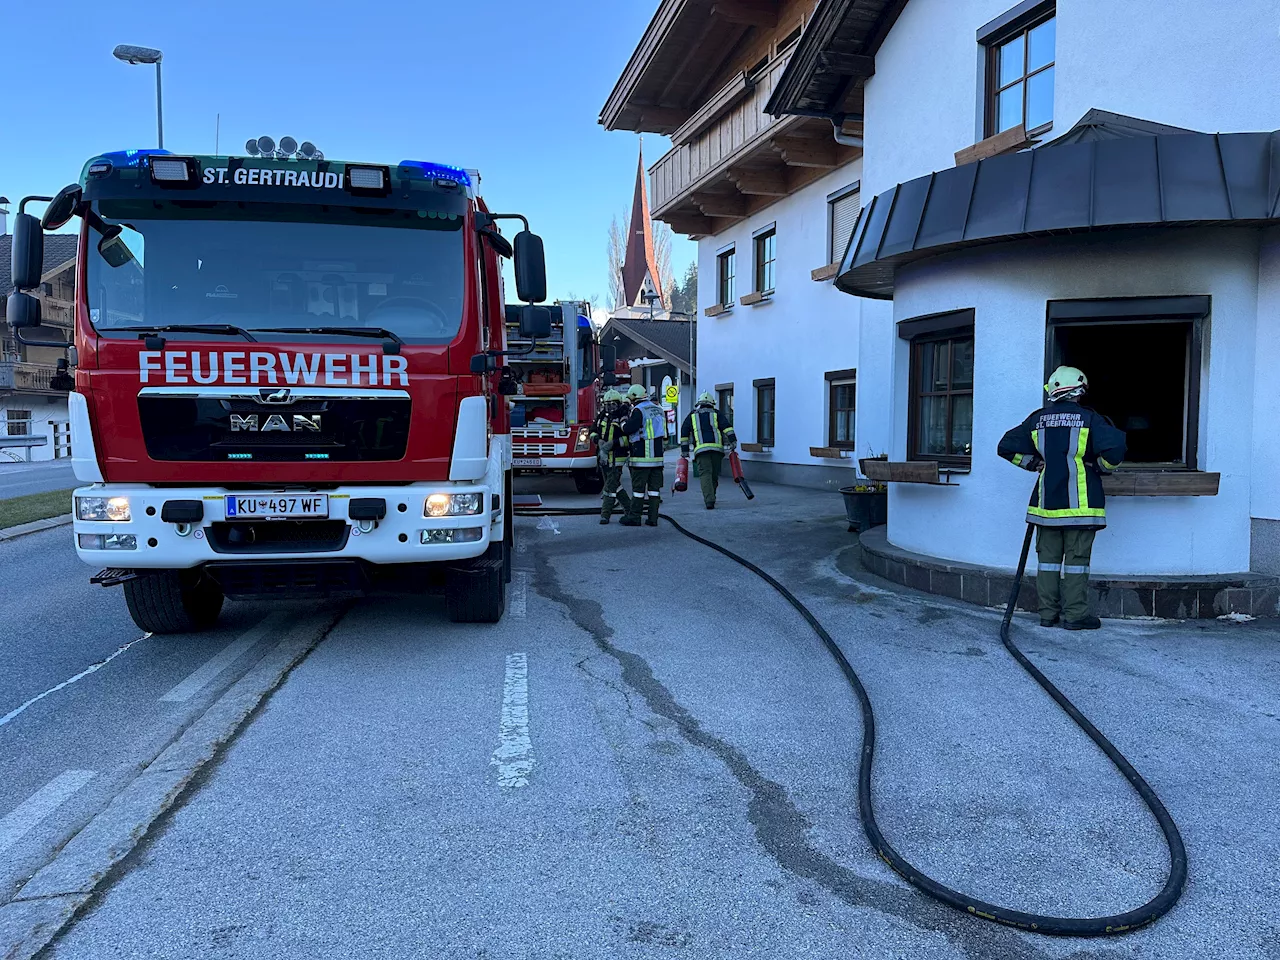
x: 314, y: 506
x: 526, y: 461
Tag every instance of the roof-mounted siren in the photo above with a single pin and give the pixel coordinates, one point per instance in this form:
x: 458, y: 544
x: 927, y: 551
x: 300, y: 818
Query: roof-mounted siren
x: 288, y: 147
x: 266, y: 146
x: 308, y: 151
x: 251, y: 147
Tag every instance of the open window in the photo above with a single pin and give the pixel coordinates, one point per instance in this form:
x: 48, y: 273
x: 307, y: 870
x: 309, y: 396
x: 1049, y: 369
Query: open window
x: 1142, y: 357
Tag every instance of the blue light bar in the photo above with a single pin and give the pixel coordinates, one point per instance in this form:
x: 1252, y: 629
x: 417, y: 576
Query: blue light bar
x: 425, y: 170
x: 130, y: 158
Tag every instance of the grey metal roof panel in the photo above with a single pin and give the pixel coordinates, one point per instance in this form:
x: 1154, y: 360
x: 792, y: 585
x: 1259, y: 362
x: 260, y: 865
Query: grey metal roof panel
x: 1174, y: 179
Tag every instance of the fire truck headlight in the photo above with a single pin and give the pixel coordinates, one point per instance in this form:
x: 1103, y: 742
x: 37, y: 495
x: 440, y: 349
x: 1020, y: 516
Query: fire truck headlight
x: 584, y: 438
x: 103, y: 508
x: 453, y: 505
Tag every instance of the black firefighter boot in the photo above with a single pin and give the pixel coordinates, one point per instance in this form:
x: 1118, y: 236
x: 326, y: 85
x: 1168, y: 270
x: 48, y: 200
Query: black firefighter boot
x: 655, y: 503
x: 632, y: 517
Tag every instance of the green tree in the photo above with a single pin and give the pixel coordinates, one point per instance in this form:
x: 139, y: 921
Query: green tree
x: 684, y: 298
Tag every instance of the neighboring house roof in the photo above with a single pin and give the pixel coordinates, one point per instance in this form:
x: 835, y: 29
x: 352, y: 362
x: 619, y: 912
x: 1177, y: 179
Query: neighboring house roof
x: 668, y: 339
x: 1096, y: 177
x: 58, y: 249
x: 640, y: 264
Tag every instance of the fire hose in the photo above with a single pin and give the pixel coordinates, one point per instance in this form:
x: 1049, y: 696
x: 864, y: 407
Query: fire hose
x: 1110, y: 925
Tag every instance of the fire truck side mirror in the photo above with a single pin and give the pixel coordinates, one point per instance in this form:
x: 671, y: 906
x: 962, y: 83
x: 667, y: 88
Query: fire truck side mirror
x: 608, y: 358
x: 531, y: 268
x: 535, y: 322
x: 28, y: 252
x: 62, y: 208
x: 23, y: 311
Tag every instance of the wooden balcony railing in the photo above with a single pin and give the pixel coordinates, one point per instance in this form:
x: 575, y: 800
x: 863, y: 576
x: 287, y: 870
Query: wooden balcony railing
x: 741, y: 128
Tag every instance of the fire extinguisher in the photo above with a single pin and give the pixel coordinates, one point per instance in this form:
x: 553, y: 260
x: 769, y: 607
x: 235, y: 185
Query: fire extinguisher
x: 682, y: 475
x: 735, y: 466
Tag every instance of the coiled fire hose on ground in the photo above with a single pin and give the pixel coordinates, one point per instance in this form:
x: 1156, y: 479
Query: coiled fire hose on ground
x: 1118, y: 923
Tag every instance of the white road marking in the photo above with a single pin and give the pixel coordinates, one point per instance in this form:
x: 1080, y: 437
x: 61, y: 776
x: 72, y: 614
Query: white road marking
x: 514, y: 756
x: 13, y: 714
x: 19, y: 822
x: 228, y: 655
x: 518, y: 607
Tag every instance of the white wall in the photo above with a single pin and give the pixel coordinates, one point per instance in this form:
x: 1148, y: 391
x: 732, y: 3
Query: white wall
x: 42, y: 411
x: 806, y: 329
x: 981, y: 519
x: 1265, y: 472
x: 1206, y: 66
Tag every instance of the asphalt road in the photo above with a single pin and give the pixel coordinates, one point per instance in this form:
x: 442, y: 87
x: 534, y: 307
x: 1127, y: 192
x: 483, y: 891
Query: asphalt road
x: 19, y: 479
x: 652, y: 756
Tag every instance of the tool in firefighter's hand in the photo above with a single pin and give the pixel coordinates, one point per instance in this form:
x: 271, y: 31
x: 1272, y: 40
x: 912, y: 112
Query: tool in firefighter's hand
x: 735, y: 465
x: 682, y: 475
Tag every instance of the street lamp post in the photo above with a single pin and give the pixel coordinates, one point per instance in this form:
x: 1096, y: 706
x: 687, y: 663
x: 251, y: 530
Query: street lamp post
x: 129, y: 53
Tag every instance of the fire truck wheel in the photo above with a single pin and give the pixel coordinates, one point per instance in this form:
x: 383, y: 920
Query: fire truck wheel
x: 479, y: 595
x: 588, y: 481
x: 173, y: 601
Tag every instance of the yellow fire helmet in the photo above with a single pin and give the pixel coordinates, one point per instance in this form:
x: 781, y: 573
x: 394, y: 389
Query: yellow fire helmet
x: 705, y: 399
x: 636, y: 392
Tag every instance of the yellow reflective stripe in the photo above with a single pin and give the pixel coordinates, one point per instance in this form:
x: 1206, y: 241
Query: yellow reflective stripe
x: 1081, y: 512
x: 1107, y: 466
x: 1017, y: 459
x: 1082, y: 479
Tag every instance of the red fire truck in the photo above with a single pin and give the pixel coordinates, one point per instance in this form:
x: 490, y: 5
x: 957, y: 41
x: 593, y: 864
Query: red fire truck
x: 290, y: 378
x: 558, y: 390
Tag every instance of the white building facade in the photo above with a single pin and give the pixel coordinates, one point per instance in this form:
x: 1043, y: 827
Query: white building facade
x: 1042, y: 183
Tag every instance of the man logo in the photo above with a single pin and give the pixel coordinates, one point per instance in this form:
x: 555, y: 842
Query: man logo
x: 274, y: 423
x: 283, y: 395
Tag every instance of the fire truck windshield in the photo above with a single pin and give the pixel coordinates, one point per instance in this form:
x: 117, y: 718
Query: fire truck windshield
x: 154, y: 264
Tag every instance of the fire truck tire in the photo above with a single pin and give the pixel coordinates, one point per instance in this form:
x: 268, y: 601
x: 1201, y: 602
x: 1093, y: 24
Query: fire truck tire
x: 588, y: 481
x: 479, y: 595
x: 173, y: 601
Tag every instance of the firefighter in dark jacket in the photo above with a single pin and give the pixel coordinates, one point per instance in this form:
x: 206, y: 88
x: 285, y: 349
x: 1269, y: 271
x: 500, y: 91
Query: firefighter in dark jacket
x: 612, y: 444
x: 646, y: 431
x: 712, y: 435
x: 1070, y: 447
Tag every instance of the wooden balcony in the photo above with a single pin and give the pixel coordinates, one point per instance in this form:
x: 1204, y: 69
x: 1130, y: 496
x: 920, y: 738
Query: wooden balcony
x: 732, y: 159
x: 20, y: 376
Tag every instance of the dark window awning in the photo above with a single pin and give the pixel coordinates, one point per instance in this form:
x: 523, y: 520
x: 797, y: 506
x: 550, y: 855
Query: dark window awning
x: 1169, y: 180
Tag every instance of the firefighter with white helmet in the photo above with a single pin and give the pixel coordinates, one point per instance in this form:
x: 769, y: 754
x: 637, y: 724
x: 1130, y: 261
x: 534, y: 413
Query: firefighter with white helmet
x: 646, y: 431
x: 711, y: 435
x: 612, y: 444
x: 1070, y: 446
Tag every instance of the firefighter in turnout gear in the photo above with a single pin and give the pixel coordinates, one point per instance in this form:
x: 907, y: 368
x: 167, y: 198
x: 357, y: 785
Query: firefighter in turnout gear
x: 612, y: 444
x: 646, y: 431
x: 712, y: 436
x: 1070, y: 447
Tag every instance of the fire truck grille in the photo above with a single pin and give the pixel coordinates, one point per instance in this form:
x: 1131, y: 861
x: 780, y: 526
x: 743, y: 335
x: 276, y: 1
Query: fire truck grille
x: 536, y: 449
x: 336, y: 429
x: 275, y: 536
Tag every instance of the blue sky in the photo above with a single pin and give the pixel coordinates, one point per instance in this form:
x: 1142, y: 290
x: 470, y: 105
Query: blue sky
x: 510, y: 87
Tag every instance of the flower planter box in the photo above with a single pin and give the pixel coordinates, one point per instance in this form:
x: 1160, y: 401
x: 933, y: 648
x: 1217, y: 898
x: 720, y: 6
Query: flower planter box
x: 866, y: 505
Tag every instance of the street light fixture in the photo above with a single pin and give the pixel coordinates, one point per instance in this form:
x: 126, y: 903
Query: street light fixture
x: 129, y: 53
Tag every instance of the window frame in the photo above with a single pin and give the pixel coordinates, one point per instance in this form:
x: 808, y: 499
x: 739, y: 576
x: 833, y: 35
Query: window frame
x: 1193, y: 311
x: 920, y: 332
x: 22, y: 424
x: 727, y: 256
x: 723, y: 389
x: 1019, y: 21
x: 759, y: 241
x: 834, y: 255
x: 770, y: 384
x: 836, y: 379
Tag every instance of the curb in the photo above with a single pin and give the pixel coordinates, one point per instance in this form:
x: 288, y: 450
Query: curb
x: 50, y: 901
x: 34, y: 526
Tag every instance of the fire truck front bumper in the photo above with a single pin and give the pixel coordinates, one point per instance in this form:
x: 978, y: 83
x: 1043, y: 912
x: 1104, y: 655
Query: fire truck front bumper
x: 129, y: 526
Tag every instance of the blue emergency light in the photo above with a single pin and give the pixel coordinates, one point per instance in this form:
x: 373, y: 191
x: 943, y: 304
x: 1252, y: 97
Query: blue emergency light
x: 425, y: 170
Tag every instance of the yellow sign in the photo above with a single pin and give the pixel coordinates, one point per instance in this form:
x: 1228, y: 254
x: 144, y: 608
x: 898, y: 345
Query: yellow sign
x: 672, y: 394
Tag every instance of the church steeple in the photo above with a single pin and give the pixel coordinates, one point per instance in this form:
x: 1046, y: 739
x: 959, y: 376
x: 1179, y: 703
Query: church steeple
x: 640, y: 266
